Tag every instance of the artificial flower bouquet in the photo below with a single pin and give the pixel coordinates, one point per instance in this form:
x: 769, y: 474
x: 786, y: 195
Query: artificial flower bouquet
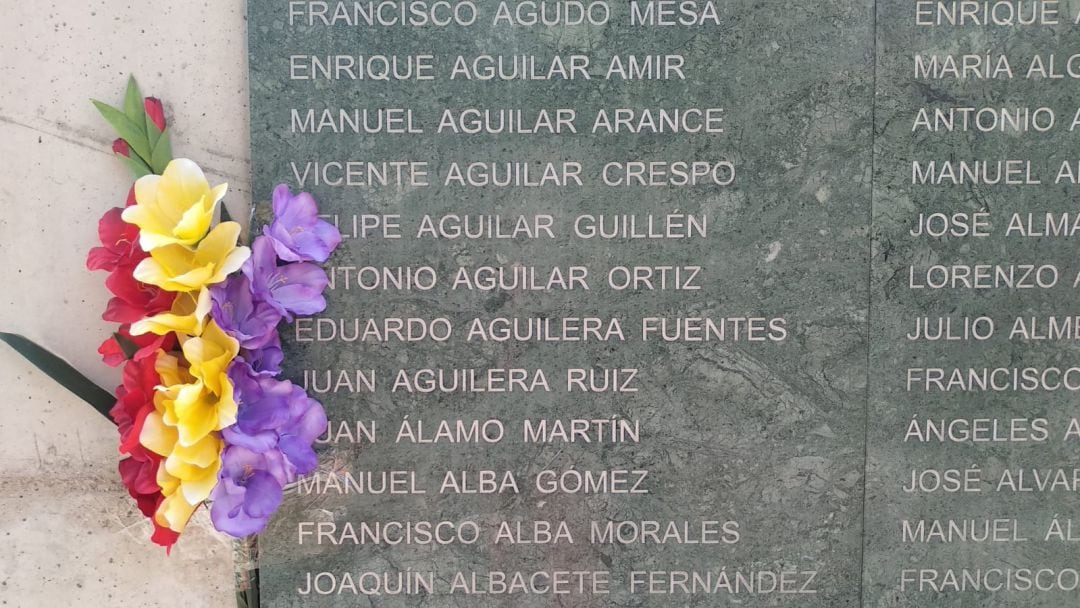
x: 202, y: 412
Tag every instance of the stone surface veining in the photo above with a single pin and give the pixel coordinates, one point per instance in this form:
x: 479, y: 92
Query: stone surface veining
x: 769, y: 435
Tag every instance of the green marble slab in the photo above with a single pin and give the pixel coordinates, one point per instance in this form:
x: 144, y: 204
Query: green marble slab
x: 767, y: 434
x: 929, y: 565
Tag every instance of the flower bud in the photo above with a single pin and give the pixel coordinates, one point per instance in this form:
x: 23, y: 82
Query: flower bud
x: 120, y: 148
x: 155, y: 111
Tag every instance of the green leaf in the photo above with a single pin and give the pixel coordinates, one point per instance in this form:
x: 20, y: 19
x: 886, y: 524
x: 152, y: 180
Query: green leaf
x: 133, y: 104
x: 136, y: 165
x: 152, y: 133
x: 225, y: 215
x: 248, y: 598
x: 134, y: 136
x: 246, y: 555
x: 162, y: 153
x: 127, y: 346
x: 62, y: 372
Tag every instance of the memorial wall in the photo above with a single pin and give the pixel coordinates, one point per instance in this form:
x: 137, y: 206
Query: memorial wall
x: 681, y: 303
x: 973, y: 428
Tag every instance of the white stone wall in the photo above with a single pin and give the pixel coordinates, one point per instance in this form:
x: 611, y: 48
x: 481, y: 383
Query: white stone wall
x: 68, y: 531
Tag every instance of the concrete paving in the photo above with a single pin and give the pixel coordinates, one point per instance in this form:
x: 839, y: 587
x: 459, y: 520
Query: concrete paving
x: 70, y: 535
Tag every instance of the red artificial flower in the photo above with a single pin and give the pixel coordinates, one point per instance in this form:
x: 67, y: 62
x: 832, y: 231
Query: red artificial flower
x: 131, y: 197
x: 163, y: 536
x: 134, y: 300
x: 121, y: 148
x: 140, y: 478
x: 155, y: 111
x: 120, y: 243
x: 112, y: 353
x: 134, y: 402
x: 119, y: 254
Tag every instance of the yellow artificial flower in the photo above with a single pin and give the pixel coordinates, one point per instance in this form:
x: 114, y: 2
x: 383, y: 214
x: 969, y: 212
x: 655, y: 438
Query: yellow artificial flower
x: 168, y: 484
x: 187, y: 317
x: 200, y: 399
x: 158, y: 437
x: 196, y: 412
x: 175, y: 207
x: 190, y: 470
x: 183, y: 269
x: 168, y: 369
x: 209, y: 356
x: 174, y: 512
x: 188, y: 475
x: 196, y: 467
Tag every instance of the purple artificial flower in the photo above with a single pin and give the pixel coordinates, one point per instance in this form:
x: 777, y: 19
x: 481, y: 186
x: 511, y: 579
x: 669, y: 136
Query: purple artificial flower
x: 267, y: 359
x: 292, y: 289
x: 251, y: 321
x: 296, y: 438
x: 275, y: 415
x: 263, y: 406
x: 248, y: 492
x: 297, y: 233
